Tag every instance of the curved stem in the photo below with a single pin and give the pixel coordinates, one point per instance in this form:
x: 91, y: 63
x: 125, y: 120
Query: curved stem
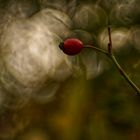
x: 122, y: 72
x: 97, y: 49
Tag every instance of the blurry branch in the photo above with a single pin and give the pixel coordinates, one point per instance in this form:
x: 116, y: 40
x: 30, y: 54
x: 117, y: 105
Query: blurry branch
x: 110, y: 42
x: 110, y: 54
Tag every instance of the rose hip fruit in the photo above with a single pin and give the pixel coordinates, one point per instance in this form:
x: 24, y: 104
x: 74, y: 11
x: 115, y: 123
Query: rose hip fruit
x: 71, y: 46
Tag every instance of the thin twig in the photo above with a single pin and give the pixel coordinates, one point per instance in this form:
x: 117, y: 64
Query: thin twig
x: 109, y: 53
x: 97, y: 49
x: 124, y: 74
x: 110, y: 41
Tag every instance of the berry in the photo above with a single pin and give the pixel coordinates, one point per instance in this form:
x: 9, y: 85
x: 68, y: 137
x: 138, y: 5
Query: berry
x: 71, y: 46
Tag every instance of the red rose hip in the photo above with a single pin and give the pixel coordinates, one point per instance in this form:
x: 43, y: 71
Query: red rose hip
x: 71, y: 46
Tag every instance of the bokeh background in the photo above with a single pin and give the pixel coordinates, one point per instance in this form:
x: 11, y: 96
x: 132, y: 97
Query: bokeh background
x: 47, y: 95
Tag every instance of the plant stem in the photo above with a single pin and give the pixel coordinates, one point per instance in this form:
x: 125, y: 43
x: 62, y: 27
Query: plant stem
x: 109, y: 53
x: 122, y: 72
x: 110, y: 41
x: 97, y: 49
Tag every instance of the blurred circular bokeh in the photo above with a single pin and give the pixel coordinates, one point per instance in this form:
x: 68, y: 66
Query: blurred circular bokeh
x: 47, y: 95
x: 89, y: 17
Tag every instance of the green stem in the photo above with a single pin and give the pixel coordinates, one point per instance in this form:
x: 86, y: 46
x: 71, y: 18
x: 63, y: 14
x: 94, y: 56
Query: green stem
x: 123, y: 73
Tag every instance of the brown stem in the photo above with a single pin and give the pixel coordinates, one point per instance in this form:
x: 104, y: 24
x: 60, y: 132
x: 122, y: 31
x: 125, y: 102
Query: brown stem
x: 110, y: 41
x: 112, y: 57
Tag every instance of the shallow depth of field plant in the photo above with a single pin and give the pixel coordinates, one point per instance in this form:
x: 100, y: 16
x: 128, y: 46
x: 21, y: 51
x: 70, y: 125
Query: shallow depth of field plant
x: 69, y: 70
x: 73, y: 46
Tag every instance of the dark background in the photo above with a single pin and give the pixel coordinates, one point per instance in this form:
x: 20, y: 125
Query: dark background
x: 104, y: 107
